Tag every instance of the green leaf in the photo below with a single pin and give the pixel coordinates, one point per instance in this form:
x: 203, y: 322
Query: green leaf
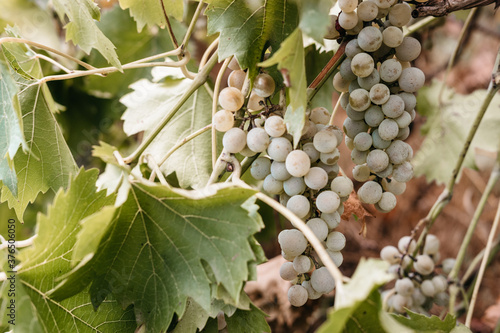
x: 247, y: 28
x: 50, y: 257
x: 150, y: 12
x: 290, y: 60
x: 192, y: 162
x: 252, y: 321
x: 167, y: 245
x: 315, y: 61
x: 82, y: 29
x: 359, y: 306
x: 447, y: 127
x: 315, y: 18
x: 11, y: 132
x: 130, y: 46
x: 424, y: 324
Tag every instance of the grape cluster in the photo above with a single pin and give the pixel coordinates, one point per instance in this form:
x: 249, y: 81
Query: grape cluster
x: 418, y: 286
x: 379, y: 85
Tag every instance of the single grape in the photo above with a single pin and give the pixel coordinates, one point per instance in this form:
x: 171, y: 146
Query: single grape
x: 335, y: 241
x: 279, y: 148
x: 390, y: 70
x: 336, y: 257
x: 292, y: 242
x: 263, y: 85
x: 393, y: 186
x: 361, y: 173
x: 287, y: 271
x: 363, y: 141
x: 352, y: 48
x: 427, y: 288
x: 348, y: 5
x: 404, y: 287
x: 387, y: 202
x: 390, y: 254
x: 403, y: 172
x: 223, y: 120
x: 367, y: 11
x: 312, y: 294
x: 388, y: 129
x: 353, y: 114
x: 404, y: 120
x: 346, y: 71
x: 327, y: 202
x: 316, y: 178
x: 322, y: 281
x: 403, y: 244
x: 297, y: 295
x: 331, y: 170
x: 418, y: 298
x: 348, y: 20
x: 231, y: 99
x: 377, y: 160
x: 352, y: 127
x: 378, y: 142
x: 331, y: 219
x: 320, y: 115
x: 342, y: 185
x: 257, y: 139
x: 447, y: 265
x: 411, y: 79
x: 431, y: 245
x: 298, y: 163
x: 330, y: 158
x: 379, y: 94
x: 358, y: 157
x: 272, y: 185
x: 386, y: 172
x: 440, y: 283
x: 302, y: 264
x: 370, y: 39
x: 424, y: 264
x: 400, y: 302
x: 260, y: 168
x: 362, y: 64
x: 400, y: 14
x: 394, y: 107
x: 234, y: 140
x: 397, y: 152
x: 369, y: 81
x: 325, y: 141
x: 318, y: 227
x: 255, y: 102
x: 409, y: 49
x: 410, y: 101
x: 370, y: 192
x: 233, y: 64
x: 331, y: 30
x: 236, y: 79
x: 299, y: 205
x: 275, y: 126
x: 383, y: 4
x: 393, y: 36
x: 374, y: 115
x: 279, y: 172
x: 294, y: 186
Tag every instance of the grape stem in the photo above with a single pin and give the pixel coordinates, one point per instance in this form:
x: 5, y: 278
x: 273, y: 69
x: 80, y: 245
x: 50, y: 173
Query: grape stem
x: 446, y: 195
x: 296, y: 222
x: 335, y: 109
x: 483, y: 267
x: 443, y: 8
x: 494, y: 177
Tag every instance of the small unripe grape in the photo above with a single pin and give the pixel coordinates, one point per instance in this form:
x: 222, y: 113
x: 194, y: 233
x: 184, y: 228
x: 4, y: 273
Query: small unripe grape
x: 386, y: 172
x: 378, y: 142
x: 374, y: 115
x: 292, y: 242
x: 400, y: 302
x: 297, y: 295
x: 272, y: 185
x: 322, y: 281
x: 418, y: 298
x: 353, y: 114
x: 287, y: 272
x: 294, y: 186
x: 260, y: 168
x: 440, y: 283
x: 424, y: 264
x: 404, y: 287
x: 442, y: 299
x: 370, y: 192
x: 316, y: 178
x: 263, y: 85
x: 362, y: 64
x: 327, y: 202
x: 236, y: 79
x: 257, y: 139
x: 302, y: 264
x: 335, y: 241
x: 332, y: 219
x: 299, y: 205
x: 447, y: 265
x: 369, y: 81
x: 346, y: 71
x: 390, y: 254
x: 342, y: 185
x: 223, y: 120
x: 231, y: 99
x: 309, y: 149
x: 431, y: 244
x: 403, y: 244
x: 352, y: 127
x: 318, y: 227
x: 279, y: 148
x: 298, y: 163
x: 234, y: 140
x: 352, y: 48
x: 427, y: 288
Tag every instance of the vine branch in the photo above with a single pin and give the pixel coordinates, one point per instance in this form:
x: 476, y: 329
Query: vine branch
x: 444, y: 7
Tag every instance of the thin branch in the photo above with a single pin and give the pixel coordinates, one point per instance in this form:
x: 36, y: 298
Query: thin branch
x: 52, y: 61
x: 175, y: 52
x: 483, y: 267
x: 445, y: 7
x: 198, y: 81
x: 46, y: 48
x: 215, y: 100
x: 192, y: 25
x: 169, y: 27
x: 335, y: 109
x: 209, y: 51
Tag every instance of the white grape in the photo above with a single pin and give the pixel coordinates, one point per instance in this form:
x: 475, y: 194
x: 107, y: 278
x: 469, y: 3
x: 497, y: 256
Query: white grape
x: 331, y: 170
x: 287, y: 271
x: 447, y: 265
x: 411, y: 79
x: 370, y: 39
x: 440, y: 283
x: 272, y: 185
x: 257, y: 139
x: 394, y: 107
x: 353, y: 114
x: 297, y: 295
x: 442, y: 299
x: 294, y: 186
x: 263, y: 85
x: 424, y: 264
x: 234, y: 65
x: 361, y: 173
x: 387, y: 202
x: 374, y: 114
x: 260, y: 168
x: 312, y: 294
x: 383, y: 4
x: 403, y: 172
x: 348, y: 5
x: 398, y: 152
x: 370, y: 192
x: 427, y: 288
x: 302, y: 264
x: 400, y: 14
x: 379, y: 94
x: 406, y: 244
x: 342, y: 185
x: 346, y: 71
x: 367, y: 11
x: 377, y: 160
x: 352, y: 127
x: 236, y: 79
x: 309, y: 149
x: 390, y: 70
x: 231, y: 99
x: 318, y: 227
x: 369, y: 81
x: 316, y: 178
x: 378, y: 142
x: 410, y: 101
x: 393, y: 186
x: 331, y: 31
x: 340, y: 84
x: 400, y: 302
x: 283, y: 198
x: 327, y: 202
x: 287, y: 256
x: 292, y: 242
x: 386, y: 172
x: 330, y: 158
x: 390, y: 254
x: 404, y: 287
x: 279, y: 172
x: 404, y: 120
x: 223, y: 120
x: 393, y: 36
x: 331, y: 219
x: 234, y: 140
x: 299, y: 205
x: 409, y: 49
x: 358, y: 157
x: 320, y: 115
x: 336, y: 257
x: 255, y: 102
x: 363, y: 141
x: 325, y: 141
x: 352, y: 48
x: 322, y: 281
x: 298, y: 163
x: 359, y: 99
x: 348, y: 20
x: 279, y: 148
x: 335, y: 241
x: 362, y: 64
x: 275, y: 126
x: 388, y: 129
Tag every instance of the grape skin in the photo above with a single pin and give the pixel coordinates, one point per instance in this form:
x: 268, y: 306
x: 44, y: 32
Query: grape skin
x: 292, y: 242
x: 297, y: 295
x: 298, y: 163
x: 322, y: 281
x: 327, y: 201
x: 231, y: 99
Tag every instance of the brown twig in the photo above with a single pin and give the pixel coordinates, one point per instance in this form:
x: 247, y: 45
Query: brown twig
x: 445, y: 7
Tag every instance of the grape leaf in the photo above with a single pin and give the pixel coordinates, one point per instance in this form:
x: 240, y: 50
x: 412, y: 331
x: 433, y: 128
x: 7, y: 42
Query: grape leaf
x: 249, y: 321
x: 315, y: 61
x: 167, y: 245
x: 150, y: 12
x: 130, y: 46
x: 82, y: 29
x: 193, y: 161
x: 247, y: 26
x: 49, y: 161
x: 424, y: 324
x: 447, y: 127
x: 290, y: 60
x: 50, y: 257
x: 11, y: 132
x: 315, y: 18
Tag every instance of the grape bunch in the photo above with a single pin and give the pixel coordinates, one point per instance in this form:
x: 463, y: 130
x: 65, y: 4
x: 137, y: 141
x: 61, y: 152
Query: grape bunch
x: 306, y: 179
x: 378, y: 83
x: 418, y: 286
